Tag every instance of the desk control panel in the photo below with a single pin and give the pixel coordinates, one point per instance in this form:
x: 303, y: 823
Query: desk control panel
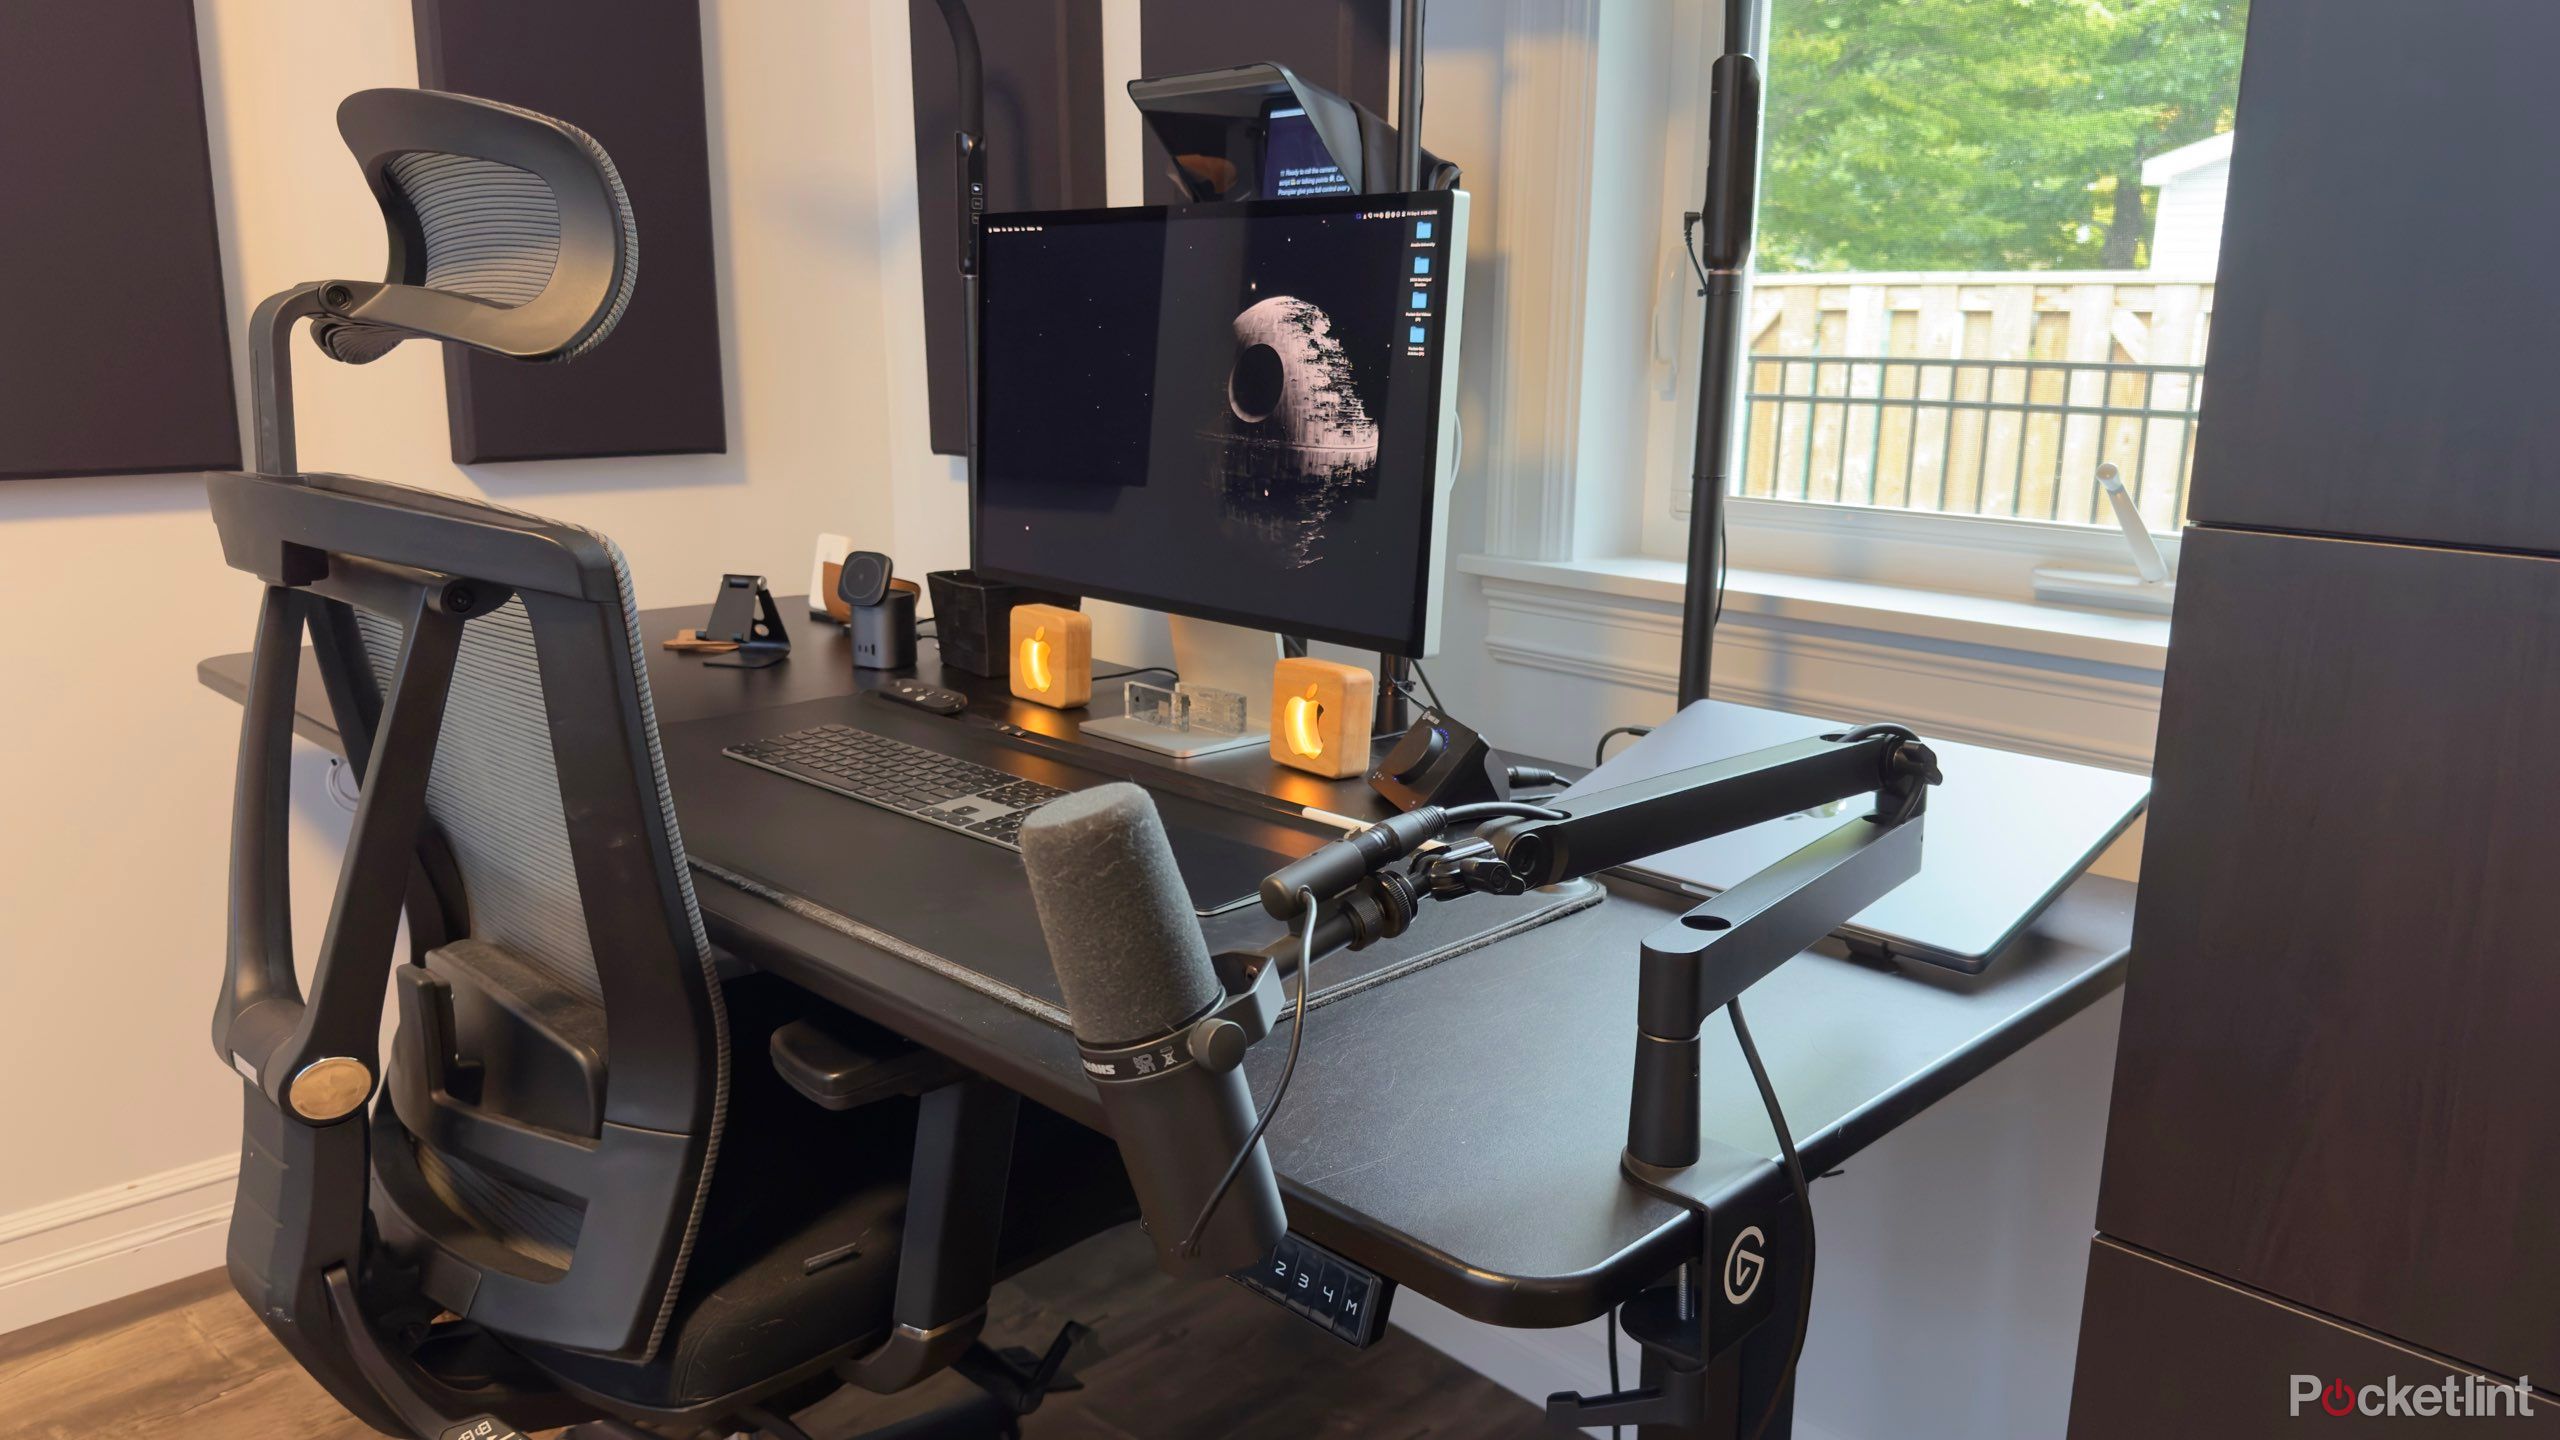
x: 1325, y: 1290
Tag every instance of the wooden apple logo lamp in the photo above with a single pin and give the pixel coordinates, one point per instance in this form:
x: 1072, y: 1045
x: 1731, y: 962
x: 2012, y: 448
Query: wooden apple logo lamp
x: 1320, y: 713
x: 1052, y: 656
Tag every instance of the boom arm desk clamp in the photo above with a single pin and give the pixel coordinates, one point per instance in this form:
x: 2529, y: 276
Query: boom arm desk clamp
x: 1690, y: 1325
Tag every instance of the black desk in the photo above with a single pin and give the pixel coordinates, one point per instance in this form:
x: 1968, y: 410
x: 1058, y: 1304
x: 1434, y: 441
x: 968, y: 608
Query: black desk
x: 1456, y: 1129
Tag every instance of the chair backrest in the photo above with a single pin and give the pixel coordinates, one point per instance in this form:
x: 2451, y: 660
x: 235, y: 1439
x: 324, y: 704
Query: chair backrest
x: 559, y: 1077
x: 510, y: 231
x: 560, y: 1072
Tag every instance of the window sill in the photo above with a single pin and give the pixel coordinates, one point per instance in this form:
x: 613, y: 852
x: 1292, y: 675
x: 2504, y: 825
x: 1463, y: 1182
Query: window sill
x: 2059, y: 633
x: 1566, y: 641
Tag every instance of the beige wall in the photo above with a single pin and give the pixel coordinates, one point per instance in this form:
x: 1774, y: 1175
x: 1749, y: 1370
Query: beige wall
x: 119, y: 1119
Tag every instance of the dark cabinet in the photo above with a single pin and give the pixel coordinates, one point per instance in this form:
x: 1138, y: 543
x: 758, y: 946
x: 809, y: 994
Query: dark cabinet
x: 2329, y: 1142
x: 2338, y: 1066
x: 2386, y: 292
x: 2166, y: 1351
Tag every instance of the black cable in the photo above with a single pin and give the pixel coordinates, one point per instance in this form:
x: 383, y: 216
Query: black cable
x: 1724, y: 564
x: 1908, y: 736
x: 1164, y: 670
x: 1600, y: 752
x: 1456, y: 816
x: 1532, y: 775
x: 1428, y: 688
x: 1689, y: 245
x: 1613, y: 1361
x: 1307, y: 906
x: 1406, y: 690
x: 1804, y: 1214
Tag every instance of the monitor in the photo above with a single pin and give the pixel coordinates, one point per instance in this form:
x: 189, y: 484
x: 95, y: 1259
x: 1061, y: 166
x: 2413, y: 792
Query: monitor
x: 1240, y: 412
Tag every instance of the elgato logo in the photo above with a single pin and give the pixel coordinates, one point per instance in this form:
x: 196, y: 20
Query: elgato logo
x: 2455, y: 1395
x: 1744, y: 1265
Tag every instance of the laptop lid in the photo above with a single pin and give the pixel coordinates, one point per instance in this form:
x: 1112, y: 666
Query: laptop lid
x: 2006, y: 832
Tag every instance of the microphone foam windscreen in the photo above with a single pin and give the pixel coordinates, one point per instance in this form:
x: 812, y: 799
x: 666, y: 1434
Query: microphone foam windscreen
x: 1117, y: 916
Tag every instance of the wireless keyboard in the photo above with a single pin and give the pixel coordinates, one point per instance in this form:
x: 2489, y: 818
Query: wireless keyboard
x: 973, y: 800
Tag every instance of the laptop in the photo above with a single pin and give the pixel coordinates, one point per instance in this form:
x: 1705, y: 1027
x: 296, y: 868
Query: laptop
x: 2006, y: 832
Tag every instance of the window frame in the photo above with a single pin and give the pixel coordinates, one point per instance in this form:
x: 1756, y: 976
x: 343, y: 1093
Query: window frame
x: 1647, y: 500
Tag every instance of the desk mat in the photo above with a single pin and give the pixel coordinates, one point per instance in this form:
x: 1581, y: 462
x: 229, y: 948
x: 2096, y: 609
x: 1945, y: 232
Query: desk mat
x: 960, y: 907
x: 1346, y: 974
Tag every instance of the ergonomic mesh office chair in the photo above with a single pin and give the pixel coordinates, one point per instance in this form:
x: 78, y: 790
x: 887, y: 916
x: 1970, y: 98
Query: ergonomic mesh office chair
x: 584, y: 1192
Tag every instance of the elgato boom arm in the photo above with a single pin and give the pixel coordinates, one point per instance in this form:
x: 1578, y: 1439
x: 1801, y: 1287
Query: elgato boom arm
x: 1689, y: 1326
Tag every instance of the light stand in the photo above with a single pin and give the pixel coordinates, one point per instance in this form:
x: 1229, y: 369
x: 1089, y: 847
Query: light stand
x: 1733, y: 171
x: 969, y: 154
x: 1393, y: 710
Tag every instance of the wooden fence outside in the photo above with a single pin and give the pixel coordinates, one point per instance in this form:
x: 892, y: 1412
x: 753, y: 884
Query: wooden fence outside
x: 1988, y: 394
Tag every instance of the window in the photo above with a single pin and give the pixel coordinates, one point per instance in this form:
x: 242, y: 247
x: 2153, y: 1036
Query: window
x: 1984, y: 267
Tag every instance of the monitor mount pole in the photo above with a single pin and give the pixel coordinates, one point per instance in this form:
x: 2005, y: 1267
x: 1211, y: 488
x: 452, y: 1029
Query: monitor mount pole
x: 969, y: 155
x: 1733, y: 169
x: 1394, y: 671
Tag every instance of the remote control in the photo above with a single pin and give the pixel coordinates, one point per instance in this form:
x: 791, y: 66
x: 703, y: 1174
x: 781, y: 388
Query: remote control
x: 924, y: 697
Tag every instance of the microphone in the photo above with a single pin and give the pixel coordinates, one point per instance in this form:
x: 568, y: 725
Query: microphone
x: 1151, y: 1022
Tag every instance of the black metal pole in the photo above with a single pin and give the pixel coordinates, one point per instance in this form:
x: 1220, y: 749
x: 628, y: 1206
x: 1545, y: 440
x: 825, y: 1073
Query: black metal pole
x: 1389, y: 715
x: 1733, y: 171
x: 1409, y: 98
x: 969, y: 154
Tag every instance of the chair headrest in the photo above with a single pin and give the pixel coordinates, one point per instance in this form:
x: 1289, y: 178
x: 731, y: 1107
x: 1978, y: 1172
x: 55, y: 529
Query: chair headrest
x: 510, y: 231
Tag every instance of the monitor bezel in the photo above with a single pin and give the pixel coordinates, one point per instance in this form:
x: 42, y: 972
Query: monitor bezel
x: 1416, y: 634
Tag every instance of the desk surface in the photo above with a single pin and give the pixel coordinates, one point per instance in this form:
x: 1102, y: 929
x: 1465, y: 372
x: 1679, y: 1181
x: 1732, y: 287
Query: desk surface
x: 1456, y: 1129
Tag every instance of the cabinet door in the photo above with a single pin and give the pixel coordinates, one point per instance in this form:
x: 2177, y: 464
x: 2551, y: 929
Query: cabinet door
x: 2339, y: 1067
x: 2379, y: 363
x: 2166, y: 1351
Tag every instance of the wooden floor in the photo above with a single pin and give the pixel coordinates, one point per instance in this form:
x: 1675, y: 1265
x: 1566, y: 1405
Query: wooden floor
x: 1177, y: 1362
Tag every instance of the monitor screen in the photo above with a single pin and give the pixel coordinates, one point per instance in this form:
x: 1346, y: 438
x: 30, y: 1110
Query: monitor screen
x: 1230, y: 411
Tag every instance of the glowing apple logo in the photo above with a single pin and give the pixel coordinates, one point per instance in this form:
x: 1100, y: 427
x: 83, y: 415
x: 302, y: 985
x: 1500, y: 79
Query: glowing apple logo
x: 1305, y: 723
x: 1035, y: 659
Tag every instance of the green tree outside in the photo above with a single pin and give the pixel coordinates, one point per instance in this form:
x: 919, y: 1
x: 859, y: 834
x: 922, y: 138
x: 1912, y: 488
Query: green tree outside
x: 1982, y: 134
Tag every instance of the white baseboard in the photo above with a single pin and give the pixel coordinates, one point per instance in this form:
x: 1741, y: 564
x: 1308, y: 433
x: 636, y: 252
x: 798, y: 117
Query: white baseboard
x: 89, y: 1249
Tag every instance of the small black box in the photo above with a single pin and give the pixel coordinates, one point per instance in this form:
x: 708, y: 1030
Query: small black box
x: 973, y: 618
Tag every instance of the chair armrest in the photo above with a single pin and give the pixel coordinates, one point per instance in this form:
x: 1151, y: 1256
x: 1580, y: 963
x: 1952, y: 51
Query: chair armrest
x: 844, y: 1063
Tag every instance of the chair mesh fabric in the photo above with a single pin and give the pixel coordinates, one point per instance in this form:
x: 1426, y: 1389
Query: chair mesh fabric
x: 492, y: 232
x: 494, y: 791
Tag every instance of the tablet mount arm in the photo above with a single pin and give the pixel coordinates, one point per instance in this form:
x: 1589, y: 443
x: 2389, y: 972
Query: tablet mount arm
x: 1689, y: 1327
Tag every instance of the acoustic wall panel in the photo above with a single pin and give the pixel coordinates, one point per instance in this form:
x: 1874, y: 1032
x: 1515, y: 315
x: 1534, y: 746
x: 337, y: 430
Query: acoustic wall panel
x: 1044, y: 102
x: 115, y: 349
x: 628, y: 72
x: 1342, y: 45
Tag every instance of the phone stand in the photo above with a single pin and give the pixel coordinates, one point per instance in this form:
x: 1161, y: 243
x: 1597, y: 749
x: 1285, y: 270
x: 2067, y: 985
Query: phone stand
x: 744, y: 615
